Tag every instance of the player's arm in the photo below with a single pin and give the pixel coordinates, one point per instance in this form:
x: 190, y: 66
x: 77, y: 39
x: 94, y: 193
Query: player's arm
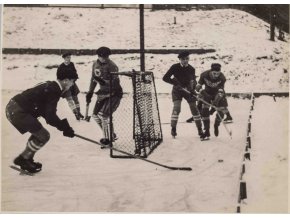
x: 200, y: 83
x: 168, y: 77
x: 115, y: 78
x: 52, y: 119
x: 92, y: 86
x: 192, y: 82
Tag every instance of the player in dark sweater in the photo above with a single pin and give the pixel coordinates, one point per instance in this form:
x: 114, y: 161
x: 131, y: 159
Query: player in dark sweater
x: 72, y: 94
x: 182, y: 76
x: 213, y: 93
x: 40, y: 101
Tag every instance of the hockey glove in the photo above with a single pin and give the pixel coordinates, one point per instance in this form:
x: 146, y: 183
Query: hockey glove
x: 219, y: 96
x: 66, y: 128
x: 89, y: 97
x: 198, y: 87
x: 69, y: 132
x: 100, y: 80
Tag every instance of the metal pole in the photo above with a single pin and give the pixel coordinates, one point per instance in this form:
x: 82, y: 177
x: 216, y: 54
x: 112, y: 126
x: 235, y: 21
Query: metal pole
x: 142, y: 52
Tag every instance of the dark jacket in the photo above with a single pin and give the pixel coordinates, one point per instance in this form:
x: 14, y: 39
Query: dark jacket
x: 182, y: 76
x: 41, y: 101
x: 212, y: 85
x: 67, y: 68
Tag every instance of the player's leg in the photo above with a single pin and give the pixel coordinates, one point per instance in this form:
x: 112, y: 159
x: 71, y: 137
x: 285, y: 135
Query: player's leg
x: 174, y: 116
x: 218, y: 119
x: 35, y: 142
x: 195, y: 114
x: 95, y: 115
x: 205, y: 116
x: 109, y: 107
x: 228, y: 118
x: 24, y: 122
x: 222, y: 110
x: 176, y: 99
x: 74, y: 94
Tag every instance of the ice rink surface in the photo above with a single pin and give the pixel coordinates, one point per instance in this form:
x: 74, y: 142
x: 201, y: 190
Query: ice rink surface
x: 78, y: 176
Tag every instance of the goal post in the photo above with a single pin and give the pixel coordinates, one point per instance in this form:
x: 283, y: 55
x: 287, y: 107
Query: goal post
x: 136, y: 122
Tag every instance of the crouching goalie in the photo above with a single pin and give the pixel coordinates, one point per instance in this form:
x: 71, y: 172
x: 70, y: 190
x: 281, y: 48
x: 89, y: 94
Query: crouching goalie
x: 101, y: 73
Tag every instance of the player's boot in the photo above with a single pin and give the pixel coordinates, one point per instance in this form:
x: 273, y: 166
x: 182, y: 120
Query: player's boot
x: 38, y: 164
x: 105, y: 141
x: 228, y: 119
x: 27, y: 164
x: 216, y: 130
x: 205, y: 136
x: 173, y: 132
x: 201, y: 134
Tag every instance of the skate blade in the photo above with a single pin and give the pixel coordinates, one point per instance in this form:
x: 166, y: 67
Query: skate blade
x: 227, y: 122
x: 205, y: 139
x: 22, y: 172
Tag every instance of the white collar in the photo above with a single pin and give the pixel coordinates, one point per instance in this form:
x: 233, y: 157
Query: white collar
x: 59, y: 84
x: 183, y: 65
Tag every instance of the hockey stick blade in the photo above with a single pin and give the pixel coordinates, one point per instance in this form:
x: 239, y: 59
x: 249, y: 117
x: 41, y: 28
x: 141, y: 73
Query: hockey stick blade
x: 134, y: 156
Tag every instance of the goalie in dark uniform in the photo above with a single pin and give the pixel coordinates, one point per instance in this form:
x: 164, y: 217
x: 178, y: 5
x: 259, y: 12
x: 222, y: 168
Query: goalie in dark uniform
x: 101, y: 72
x: 40, y: 101
x: 213, y: 93
x: 182, y: 76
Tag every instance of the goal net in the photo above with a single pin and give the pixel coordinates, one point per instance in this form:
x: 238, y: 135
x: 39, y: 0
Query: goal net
x: 136, y: 122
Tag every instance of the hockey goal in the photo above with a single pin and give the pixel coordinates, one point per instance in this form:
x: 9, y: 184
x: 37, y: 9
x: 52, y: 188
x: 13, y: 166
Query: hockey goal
x: 136, y: 122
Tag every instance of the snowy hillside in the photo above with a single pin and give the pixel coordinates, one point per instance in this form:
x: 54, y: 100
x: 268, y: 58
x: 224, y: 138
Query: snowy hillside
x: 251, y: 62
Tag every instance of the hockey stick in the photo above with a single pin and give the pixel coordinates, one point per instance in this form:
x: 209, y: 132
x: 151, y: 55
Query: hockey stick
x: 211, y: 105
x: 134, y: 156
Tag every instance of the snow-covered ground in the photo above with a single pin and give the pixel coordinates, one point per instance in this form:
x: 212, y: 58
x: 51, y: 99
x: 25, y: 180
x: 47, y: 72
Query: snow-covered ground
x: 267, y: 172
x: 77, y: 176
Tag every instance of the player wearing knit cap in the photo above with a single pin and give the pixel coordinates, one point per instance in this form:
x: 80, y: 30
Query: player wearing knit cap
x: 182, y: 76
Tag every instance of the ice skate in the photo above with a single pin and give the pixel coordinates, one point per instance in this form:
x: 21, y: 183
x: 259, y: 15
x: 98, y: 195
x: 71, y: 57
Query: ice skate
x: 27, y: 164
x: 228, y: 119
x: 205, y: 136
x: 173, y: 132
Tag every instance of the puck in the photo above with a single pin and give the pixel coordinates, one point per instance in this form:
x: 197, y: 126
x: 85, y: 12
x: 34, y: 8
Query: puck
x: 220, y: 160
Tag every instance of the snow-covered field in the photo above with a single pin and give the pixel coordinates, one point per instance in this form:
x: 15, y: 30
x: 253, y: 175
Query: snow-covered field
x: 77, y: 176
x: 251, y: 62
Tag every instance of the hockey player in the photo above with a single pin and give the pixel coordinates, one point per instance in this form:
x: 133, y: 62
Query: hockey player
x: 40, y: 101
x: 72, y: 94
x: 213, y: 93
x: 101, y: 73
x: 182, y: 75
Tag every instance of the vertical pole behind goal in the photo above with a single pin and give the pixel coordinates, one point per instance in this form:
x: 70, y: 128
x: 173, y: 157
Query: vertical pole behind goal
x: 111, y: 116
x: 142, y: 51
